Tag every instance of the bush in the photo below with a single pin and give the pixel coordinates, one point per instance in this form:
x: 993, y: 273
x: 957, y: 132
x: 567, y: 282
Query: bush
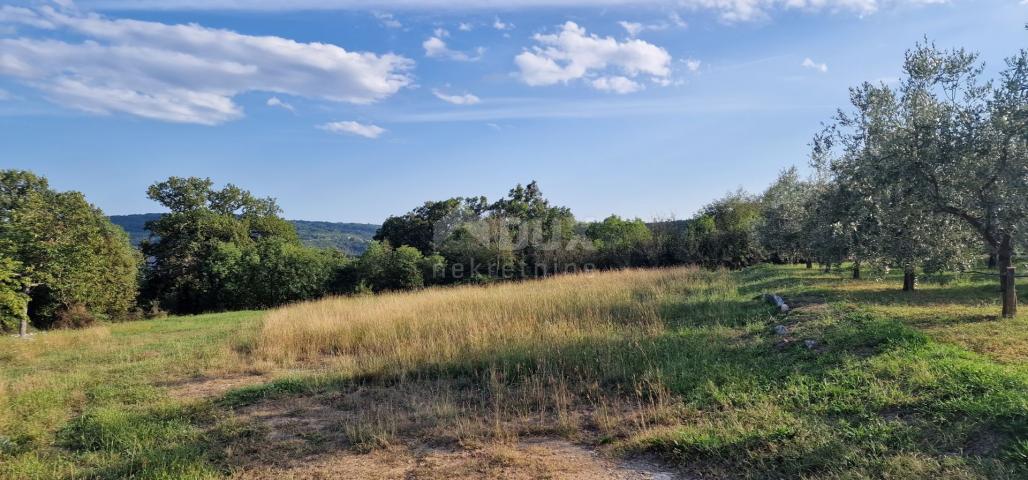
x: 73, y: 316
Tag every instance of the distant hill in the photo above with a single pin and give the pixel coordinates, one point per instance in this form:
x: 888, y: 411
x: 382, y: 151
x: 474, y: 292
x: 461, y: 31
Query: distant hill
x: 351, y: 238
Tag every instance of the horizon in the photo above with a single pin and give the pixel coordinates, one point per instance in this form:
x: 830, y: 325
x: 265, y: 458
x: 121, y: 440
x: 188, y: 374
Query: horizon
x: 637, y: 108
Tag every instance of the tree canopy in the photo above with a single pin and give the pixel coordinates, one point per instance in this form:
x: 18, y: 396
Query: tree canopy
x: 61, y: 252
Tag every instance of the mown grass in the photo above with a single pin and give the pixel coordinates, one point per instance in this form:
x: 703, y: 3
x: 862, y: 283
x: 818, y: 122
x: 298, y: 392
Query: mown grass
x: 92, y: 403
x: 680, y: 363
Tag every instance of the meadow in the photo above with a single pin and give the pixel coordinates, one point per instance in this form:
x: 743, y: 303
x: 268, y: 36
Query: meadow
x: 658, y: 373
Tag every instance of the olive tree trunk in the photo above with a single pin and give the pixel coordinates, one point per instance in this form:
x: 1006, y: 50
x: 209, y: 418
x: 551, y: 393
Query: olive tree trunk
x: 909, y: 280
x: 1006, y: 277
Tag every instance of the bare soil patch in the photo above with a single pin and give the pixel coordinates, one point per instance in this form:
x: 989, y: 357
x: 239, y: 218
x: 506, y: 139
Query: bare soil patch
x: 209, y: 387
x: 387, y: 433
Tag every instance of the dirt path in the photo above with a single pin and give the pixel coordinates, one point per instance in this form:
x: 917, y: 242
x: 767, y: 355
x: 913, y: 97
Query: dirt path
x: 545, y: 458
x: 312, y: 437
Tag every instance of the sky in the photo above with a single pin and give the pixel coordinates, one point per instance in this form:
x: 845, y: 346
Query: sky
x: 354, y: 110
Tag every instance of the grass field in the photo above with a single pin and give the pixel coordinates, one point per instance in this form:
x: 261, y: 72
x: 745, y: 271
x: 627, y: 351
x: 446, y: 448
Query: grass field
x: 677, y: 371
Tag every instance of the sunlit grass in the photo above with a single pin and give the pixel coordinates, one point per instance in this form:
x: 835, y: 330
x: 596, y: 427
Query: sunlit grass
x: 67, y: 397
x: 868, y: 382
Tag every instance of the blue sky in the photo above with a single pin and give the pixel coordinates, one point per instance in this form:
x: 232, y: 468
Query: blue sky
x: 352, y: 110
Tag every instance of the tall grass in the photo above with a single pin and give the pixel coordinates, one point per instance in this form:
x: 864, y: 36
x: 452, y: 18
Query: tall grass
x: 463, y: 326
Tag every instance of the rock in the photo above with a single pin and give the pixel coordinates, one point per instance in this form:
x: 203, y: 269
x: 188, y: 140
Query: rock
x: 810, y: 344
x: 777, y: 301
x: 781, y: 330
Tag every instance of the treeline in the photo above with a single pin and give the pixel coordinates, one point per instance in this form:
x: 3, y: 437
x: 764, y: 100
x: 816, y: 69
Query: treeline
x: 926, y: 177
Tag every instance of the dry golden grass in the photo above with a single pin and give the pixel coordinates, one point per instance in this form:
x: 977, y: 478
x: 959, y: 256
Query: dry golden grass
x: 398, y: 332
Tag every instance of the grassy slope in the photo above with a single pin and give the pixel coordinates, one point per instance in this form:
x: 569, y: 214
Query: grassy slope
x: 679, y: 363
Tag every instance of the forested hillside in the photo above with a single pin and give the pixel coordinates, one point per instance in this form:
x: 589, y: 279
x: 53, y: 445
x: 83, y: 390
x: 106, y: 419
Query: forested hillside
x: 351, y: 238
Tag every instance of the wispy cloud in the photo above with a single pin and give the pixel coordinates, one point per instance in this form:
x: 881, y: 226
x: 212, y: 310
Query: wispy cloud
x: 436, y: 47
x: 727, y: 10
x: 354, y: 128
x: 502, y: 110
x: 278, y: 103
x: 501, y: 25
x: 820, y: 67
x: 463, y: 99
x: 182, y: 73
x: 387, y: 20
x: 635, y: 28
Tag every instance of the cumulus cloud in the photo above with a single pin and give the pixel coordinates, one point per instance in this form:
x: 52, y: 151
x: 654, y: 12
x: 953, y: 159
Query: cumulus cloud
x: 728, y: 10
x: 820, y: 67
x: 692, y: 64
x: 183, y: 73
x: 465, y: 27
x: 573, y: 54
x: 465, y: 99
x: 435, y: 47
x: 353, y: 128
x: 278, y: 103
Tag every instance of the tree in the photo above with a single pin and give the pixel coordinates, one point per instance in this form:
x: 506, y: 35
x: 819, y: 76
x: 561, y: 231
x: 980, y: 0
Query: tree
x: 384, y: 268
x: 543, y: 234
x: 64, y: 251
x: 14, y: 302
x: 955, y: 145
x: 205, y: 254
x: 621, y: 243
x: 724, y: 232
x: 783, y: 213
x: 886, y: 221
x: 426, y: 227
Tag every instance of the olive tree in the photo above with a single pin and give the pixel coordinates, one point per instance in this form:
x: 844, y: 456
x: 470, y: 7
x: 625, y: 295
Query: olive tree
x: 783, y: 213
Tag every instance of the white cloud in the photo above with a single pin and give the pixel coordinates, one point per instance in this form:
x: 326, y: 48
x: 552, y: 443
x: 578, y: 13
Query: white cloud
x: 465, y: 99
x: 573, y: 54
x: 728, y: 10
x: 25, y: 16
x: 808, y: 63
x: 387, y: 20
x: 692, y: 64
x: 441, y: 32
x: 276, y: 102
x: 4, y: 95
x: 465, y: 27
x: 633, y: 28
x: 436, y: 47
x: 501, y: 25
x: 676, y: 20
x: 353, y: 128
x: 186, y: 73
x: 616, y: 84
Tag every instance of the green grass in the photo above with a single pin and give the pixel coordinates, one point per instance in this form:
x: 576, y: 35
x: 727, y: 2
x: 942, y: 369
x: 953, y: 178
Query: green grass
x: 92, y: 404
x: 927, y: 384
